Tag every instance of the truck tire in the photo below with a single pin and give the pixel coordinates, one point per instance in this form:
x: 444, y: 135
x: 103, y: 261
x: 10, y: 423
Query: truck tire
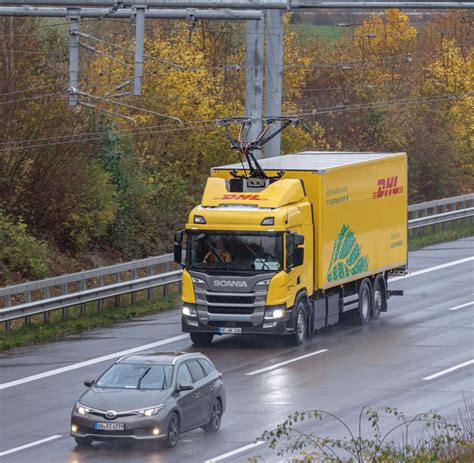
x: 300, y: 325
x: 365, y: 303
x: 201, y: 339
x: 379, y: 297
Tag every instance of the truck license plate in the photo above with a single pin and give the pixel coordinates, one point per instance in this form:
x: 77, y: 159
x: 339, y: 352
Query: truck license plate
x: 110, y: 426
x: 229, y: 330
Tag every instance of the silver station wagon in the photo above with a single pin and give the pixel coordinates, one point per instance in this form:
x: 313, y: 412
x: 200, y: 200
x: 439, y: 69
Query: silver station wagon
x: 150, y: 396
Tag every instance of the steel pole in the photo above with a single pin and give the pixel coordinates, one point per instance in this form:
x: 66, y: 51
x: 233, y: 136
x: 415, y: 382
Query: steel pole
x: 139, y: 46
x: 254, y: 78
x: 247, y: 4
x: 73, y: 55
x: 128, y: 13
x: 273, y: 77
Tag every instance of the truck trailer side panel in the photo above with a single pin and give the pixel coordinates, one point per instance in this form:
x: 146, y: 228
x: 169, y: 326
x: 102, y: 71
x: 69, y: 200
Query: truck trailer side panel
x: 362, y: 220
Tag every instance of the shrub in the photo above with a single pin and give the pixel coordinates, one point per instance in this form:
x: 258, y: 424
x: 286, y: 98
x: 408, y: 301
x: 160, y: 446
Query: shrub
x: 20, y: 253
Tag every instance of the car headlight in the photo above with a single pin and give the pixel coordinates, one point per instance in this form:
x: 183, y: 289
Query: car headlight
x: 274, y: 312
x: 150, y: 411
x: 81, y: 409
x: 189, y: 311
x: 263, y: 282
x: 198, y: 281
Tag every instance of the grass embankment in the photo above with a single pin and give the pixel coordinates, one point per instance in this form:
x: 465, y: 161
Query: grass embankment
x: 440, y: 236
x: 57, y: 328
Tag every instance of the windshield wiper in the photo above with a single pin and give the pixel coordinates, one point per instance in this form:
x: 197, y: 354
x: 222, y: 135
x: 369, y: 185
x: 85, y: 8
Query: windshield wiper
x: 261, y: 259
x: 139, y: 382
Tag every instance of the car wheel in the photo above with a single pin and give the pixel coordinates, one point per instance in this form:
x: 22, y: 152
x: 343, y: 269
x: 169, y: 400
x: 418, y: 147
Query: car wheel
x: 172, y: 435
x: 378, y: 298
x: 216, y: 416
x: 83, y: 441
x: 201, y: 339
x: 300, y: 327
x: 365, y: 303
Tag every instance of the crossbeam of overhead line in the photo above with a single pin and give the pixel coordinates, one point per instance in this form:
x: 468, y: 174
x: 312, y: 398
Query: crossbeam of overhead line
x: 127, y: 13
x: 246, y: 4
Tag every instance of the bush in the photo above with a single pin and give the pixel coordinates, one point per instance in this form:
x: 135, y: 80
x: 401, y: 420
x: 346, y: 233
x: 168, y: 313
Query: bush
x: 422, y: 438
x: 21, y: 255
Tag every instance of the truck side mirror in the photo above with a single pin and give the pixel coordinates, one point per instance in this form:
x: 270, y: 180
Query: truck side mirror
x: 178, y: 253
x: 178, y: 248
x: 299, y: 239
x: 298, y: 257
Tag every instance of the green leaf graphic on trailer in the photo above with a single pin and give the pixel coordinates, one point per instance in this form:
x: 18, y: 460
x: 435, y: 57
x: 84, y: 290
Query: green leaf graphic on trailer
x: 346, y: 256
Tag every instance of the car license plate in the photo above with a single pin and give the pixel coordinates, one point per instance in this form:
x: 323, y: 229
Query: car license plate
x: 109, y: 426
x: 229, y: 330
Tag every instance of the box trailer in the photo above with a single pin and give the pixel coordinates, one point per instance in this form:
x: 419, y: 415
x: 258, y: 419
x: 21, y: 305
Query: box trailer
x: 290, y: 251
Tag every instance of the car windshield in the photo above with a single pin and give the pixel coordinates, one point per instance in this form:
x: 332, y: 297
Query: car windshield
x: 132, y: 376
x: 236, y: 251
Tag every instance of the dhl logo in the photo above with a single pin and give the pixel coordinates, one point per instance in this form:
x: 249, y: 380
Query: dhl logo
x: 245, y: 197
x: 387, y: 187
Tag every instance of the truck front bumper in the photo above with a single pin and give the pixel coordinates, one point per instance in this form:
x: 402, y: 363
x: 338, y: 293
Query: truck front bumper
x: 282, y: 326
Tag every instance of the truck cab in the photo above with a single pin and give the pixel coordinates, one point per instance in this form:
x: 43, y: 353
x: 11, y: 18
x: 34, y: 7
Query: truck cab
x: 245, y: 258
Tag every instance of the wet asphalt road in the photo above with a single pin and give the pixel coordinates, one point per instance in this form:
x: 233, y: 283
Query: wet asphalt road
x: 379, y: 365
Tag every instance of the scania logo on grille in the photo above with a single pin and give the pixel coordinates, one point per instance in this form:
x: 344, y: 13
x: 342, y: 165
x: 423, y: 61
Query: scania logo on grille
x: 111, y: 414
x: 230, y: 283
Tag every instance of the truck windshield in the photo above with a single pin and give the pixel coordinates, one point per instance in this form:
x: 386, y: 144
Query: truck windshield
x: 236, y: 251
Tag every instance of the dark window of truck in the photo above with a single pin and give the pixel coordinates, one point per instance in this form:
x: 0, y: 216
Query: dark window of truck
x: 236, y: 251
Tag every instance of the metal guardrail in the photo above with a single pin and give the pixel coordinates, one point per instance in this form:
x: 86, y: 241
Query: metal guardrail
x: 77, y: 289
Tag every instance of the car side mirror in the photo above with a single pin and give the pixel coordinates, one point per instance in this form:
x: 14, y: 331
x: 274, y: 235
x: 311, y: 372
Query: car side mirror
x: 185, y: 387
x: 298, y: 257
x: 89, y: 382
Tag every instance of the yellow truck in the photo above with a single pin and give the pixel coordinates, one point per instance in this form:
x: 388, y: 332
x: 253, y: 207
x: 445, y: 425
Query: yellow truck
x: 288, y: 251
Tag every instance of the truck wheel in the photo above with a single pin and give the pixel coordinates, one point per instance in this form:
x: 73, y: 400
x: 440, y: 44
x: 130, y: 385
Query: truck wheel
x: 379, y: 297
x: 300, y: 325
x: 201, y: 339
x: 365, y: 303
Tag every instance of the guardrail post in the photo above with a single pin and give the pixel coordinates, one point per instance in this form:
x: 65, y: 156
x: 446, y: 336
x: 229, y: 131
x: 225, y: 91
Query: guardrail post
x: 65, y: 310
x: 27, y: 299
x: 134, y: 294
x: 46, y: 314
x: 82, y: 307
x: 149, y: 293
x: 166, y: 268
x: 117, y: 280
x: 100, y: 302
x: 8, y: 303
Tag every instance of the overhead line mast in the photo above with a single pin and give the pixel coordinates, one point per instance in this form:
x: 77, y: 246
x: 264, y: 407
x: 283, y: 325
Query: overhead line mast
x: 192, y: 10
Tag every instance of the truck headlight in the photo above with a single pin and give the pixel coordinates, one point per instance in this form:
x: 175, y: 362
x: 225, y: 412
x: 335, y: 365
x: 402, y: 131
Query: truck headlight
x: 274, y: 312
x: 81, y: 409
x: 189, y: 311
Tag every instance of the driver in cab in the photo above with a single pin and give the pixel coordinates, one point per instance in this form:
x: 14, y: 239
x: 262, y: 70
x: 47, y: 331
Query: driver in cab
x: 221, y: 251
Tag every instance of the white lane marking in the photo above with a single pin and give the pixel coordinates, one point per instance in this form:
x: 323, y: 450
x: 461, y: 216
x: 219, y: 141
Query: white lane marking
x: 432, y: 269
x: 278, y: 365
x: 235, y: 452
x: 449, y: 370
x: 93, y: 361
x: 467, y: 304
x: 32, y: 444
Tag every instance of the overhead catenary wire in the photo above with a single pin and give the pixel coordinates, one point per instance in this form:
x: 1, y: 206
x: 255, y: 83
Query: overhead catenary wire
x: 211, y: 123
